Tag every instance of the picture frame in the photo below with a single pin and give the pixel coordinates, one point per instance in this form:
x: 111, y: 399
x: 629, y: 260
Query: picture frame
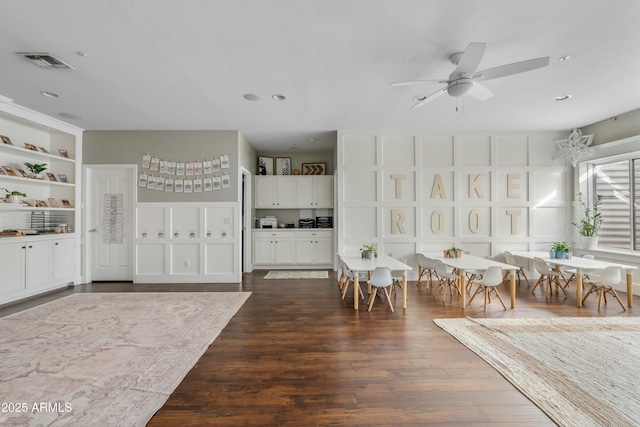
x: 43, y: 150
x: 283, y: 165
x: 22, y: 172
x: 52, y: 202
x: 6, y: 140
x: 66, y: 203
x: 265, y: 165
x: 30, y: 147
x: 63, y: 153
x: 41, y: 204
x: 8, y: 170
x: 62, y: 177
x: 51, y: 176
x: 317, y: 168
x: 29, y: 203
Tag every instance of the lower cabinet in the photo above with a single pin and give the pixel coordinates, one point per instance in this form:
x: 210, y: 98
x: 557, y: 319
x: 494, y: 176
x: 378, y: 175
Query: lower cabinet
x: 292, y: 248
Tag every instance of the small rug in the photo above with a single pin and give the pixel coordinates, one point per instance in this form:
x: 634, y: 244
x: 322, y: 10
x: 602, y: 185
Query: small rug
x: 579, y: 371
x: 297, y: 274
x: 104, y: 359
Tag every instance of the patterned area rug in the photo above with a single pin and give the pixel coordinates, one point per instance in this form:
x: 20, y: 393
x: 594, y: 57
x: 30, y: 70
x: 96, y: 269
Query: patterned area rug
x: 297, y: 274
x: 579, y: 371
x: 108, y: 359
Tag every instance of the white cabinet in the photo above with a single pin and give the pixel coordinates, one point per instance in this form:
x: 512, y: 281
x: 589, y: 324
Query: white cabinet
x: 273, y: 248
x: 64, y: 259
x: 293, y: 248
x: 39, y: 265
x: 275, y: 192
x: 314, y: 191
x: 314, y: 247
x: 12, y: 268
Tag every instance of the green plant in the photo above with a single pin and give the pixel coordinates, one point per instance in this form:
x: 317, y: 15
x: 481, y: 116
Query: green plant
x: 592, y: 218
x: 560, y: 246
x: 35, y: 167
x: 454, y: 249
x: 13, y: 193
x: 369, y: 248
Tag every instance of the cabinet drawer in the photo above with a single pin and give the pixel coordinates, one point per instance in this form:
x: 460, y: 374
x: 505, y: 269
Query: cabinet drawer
x: 314, y: 234
x: 272, y: 234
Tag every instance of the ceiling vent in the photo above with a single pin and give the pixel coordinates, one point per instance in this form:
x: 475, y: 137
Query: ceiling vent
x: 46, y: 60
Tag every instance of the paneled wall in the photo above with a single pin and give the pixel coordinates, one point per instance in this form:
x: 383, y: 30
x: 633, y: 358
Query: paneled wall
x: 421, y: 192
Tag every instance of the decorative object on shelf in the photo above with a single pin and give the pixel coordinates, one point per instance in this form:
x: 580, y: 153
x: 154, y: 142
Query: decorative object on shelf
x: 41, y: 204
x: 13, y: 196
x: 66, y: 203
x: 43, y: 150
x: 369, y: 251
x: 283, y: 165
x: 30, y: 147
x: 8, y: 170
x: 296, y: 171
x: 575, y: 146
x: 63, y: 153
x: 560, y: 250
x: 52, y: 202
x: 453, y: 252
x: 319, y: 168
x: 51, y: 177
x: 265, y: 165
x: 22, y: 172
x: 62, y: 177
x: 6, y: 140
x: 36, y: 169
x: 590, y: 222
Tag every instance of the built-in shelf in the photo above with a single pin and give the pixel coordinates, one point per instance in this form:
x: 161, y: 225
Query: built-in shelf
x: 19, y: 151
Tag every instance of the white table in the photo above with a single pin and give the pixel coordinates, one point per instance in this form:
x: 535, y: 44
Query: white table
x: 472, y: 262
x: 357, y: 264
x: 581, y: 264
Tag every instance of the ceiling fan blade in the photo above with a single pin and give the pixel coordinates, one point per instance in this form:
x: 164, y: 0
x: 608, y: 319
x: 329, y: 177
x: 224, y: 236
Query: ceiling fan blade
x: 480, y: 92
x: 470, y: 59
x: 430, y: 98
x: 509, y: 69
x: 416, y: 82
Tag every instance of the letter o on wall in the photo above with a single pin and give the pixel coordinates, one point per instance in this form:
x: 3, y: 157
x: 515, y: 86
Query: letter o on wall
x: 475, y: 221
x: 437, y: 222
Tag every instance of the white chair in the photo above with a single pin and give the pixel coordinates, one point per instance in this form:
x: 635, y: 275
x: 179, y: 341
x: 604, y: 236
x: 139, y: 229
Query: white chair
x: 510, y: 259
x: 491, y: 278
x: 546, y: 275
x: 574, y: 271
x: 426, y: 266
x: 446, y: 279
x: 347, y: 278
x: 397, y: 276
x: 604, y: 284
x: 380, y: 279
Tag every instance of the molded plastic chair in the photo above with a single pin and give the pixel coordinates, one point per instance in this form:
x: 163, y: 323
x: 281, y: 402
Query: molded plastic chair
x: 574, y: 271
x: 604, y: 283
x: 545, y: 275
x: 426, y: 266
x: 380, y: 279
x: 347, y: 278
x: 491, y: 278
x: 447, y: 280
x: 397, y: 276
x: 510, y: 259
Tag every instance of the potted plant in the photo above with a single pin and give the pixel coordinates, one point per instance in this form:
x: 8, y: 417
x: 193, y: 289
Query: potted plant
x: 36, y: 169
x: 560, y: 250
x: 369, y: 251
x: 13, y: 196
x: 453, y: 252
x: 590, y: 222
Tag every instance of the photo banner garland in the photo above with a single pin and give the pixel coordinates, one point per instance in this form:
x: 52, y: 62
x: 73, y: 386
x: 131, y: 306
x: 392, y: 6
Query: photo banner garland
x: 190, y: 176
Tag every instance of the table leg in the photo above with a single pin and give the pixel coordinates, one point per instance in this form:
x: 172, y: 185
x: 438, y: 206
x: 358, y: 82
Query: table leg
x: 512, y: 287
x: 463, y: 290
x: 629, y: 288
x: 579, y: 286
x: 356, y: 286
x: 404, y: 290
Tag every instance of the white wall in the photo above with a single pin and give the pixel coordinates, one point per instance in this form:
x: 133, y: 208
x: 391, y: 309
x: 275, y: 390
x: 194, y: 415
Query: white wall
x: 410, y: 192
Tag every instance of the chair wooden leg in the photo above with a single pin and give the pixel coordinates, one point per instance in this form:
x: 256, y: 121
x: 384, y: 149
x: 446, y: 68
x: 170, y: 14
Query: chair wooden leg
x: 589, y: 292
x: 615, y: 294
x: 388, y: 299
x: 372, y: 298
x: 564, y: 291
x: 500, y: 298
x: 540, y: 279
x: 475, y: 293
x: 600, y: 293
x: 421, y: 272
x: 345, y: 288
x: 486, y: 293
x: 521, y: 271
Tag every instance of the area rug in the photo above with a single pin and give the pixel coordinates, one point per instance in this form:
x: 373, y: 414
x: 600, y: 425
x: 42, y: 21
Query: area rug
x: 579, y: 371
x: 104, y: 359
x: 297, y: 274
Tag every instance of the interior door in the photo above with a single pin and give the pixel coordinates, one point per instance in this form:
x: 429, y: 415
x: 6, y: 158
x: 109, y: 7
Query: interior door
x: 110, y: 222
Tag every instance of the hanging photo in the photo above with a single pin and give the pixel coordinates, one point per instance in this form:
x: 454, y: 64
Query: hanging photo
x: 151, y: 183
x: 180, y: 169
x: 216, y: 182
x: 163, y: 166
x: 224, y: 162
x: 189, y: 169
x: 283, y: 165
x: 197, y: 185
x: 208, y: 184
x: 207, y: 168
x: 265, y: 165
x: 168, y: 184
x: 160, y: 184
x: 142, y: 182
x: 197, y: 168
x: 188, y: 186
x: 226, y: 181
x: 178, y: 186
x: 215, y: 165
x: 146, y: 161
x: 171, y: 168
x: 155, y: 164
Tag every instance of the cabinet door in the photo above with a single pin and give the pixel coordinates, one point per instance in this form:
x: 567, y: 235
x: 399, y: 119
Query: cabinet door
x: 12, y: 270
x: 262, y: 251
x: 323, y: 190
x: 63, y: 259
x: 324, y: 251
x: 305, y: 250
x: 39, y: 264
x: 285, y: 251
x: 265, y: 192
x: 286, y: 192
x: 305, y: 191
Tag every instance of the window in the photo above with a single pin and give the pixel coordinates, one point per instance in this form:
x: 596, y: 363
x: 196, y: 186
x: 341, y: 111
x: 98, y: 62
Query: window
x: 613, y: 183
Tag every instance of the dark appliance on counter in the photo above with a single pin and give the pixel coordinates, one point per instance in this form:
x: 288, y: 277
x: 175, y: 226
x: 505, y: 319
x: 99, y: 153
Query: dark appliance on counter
x: 324, y: 222
x: 306, y: 223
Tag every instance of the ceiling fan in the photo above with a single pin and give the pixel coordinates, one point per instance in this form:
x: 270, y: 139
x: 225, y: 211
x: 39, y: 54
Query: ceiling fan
x: 464, y: 80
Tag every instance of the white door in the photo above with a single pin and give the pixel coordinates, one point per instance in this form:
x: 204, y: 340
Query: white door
x: 111, y: 256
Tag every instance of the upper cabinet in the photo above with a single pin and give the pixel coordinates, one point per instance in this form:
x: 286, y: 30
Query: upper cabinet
x: 294, y: 191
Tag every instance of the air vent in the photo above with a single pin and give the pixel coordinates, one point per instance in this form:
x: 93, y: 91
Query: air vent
x: 46, y: 60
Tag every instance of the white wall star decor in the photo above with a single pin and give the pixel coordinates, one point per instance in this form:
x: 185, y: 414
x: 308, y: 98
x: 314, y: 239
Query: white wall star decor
x: 575, y: 146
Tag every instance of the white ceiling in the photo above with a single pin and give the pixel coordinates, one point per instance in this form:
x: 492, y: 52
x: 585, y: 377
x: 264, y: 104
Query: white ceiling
x: 168, y: 64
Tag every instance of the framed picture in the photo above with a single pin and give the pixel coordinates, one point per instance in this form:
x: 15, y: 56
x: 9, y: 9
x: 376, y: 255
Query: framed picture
x: 43, y: 150
x: 51, y: 176
x: 29, y: 203
x: 22, y: 172
x: 66, y: 203
x: 6, y: 140
x: 63, y: 153
x: 265, y: 165
x: 52, y: 202
x: 2, y: 172
x: 62, y: 177
x: 30, y: 146
x: 9, y: 171
x: 41, y: 204
x: 319, y: 168
x: 224, y: 162
x: 283, y: 165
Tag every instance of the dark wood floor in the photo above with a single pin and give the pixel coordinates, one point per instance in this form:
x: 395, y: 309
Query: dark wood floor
x: 297, y: 355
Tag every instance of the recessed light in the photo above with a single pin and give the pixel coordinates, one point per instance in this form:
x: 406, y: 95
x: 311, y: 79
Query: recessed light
x: 419, y: 98
x: 83, y: 54
x: 564, y: 58
x: 279, y: 97
x: 562, y: 97
x: 49, y: 94
x: 313, y: 140
x: 251, y: 97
